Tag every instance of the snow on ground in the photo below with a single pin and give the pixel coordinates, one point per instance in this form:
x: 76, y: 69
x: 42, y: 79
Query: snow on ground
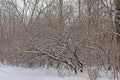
x: 16, y: 73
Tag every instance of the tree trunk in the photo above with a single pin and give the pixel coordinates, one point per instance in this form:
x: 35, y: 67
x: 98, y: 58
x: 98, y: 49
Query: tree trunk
x: 117, y: 24
x: 61, y: 27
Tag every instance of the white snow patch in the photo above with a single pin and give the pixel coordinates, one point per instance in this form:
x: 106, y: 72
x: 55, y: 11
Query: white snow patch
x: 17, y: 73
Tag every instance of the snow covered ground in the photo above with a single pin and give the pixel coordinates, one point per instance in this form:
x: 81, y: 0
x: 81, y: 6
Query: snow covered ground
x: 15, y: 73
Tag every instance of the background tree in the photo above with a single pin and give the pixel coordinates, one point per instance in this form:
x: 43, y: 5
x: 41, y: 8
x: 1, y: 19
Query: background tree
x: 117, y: 24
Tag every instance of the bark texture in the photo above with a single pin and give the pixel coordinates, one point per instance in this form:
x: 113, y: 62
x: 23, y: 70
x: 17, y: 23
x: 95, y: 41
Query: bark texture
x: 117, y: 24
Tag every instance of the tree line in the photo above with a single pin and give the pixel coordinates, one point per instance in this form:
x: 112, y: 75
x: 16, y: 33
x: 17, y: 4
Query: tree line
x: 73, y: 34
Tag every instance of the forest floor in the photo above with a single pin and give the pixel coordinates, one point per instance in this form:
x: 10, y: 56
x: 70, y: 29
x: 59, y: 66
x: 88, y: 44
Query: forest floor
x: 17, y: 73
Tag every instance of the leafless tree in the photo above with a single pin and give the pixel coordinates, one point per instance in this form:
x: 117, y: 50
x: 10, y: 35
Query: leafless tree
x: 75, y: 34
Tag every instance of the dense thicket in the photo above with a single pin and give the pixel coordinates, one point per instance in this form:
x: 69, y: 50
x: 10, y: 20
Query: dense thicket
x: 59, y: 33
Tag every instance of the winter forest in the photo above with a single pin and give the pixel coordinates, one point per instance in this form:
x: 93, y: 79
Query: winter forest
x: 76, y: 35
